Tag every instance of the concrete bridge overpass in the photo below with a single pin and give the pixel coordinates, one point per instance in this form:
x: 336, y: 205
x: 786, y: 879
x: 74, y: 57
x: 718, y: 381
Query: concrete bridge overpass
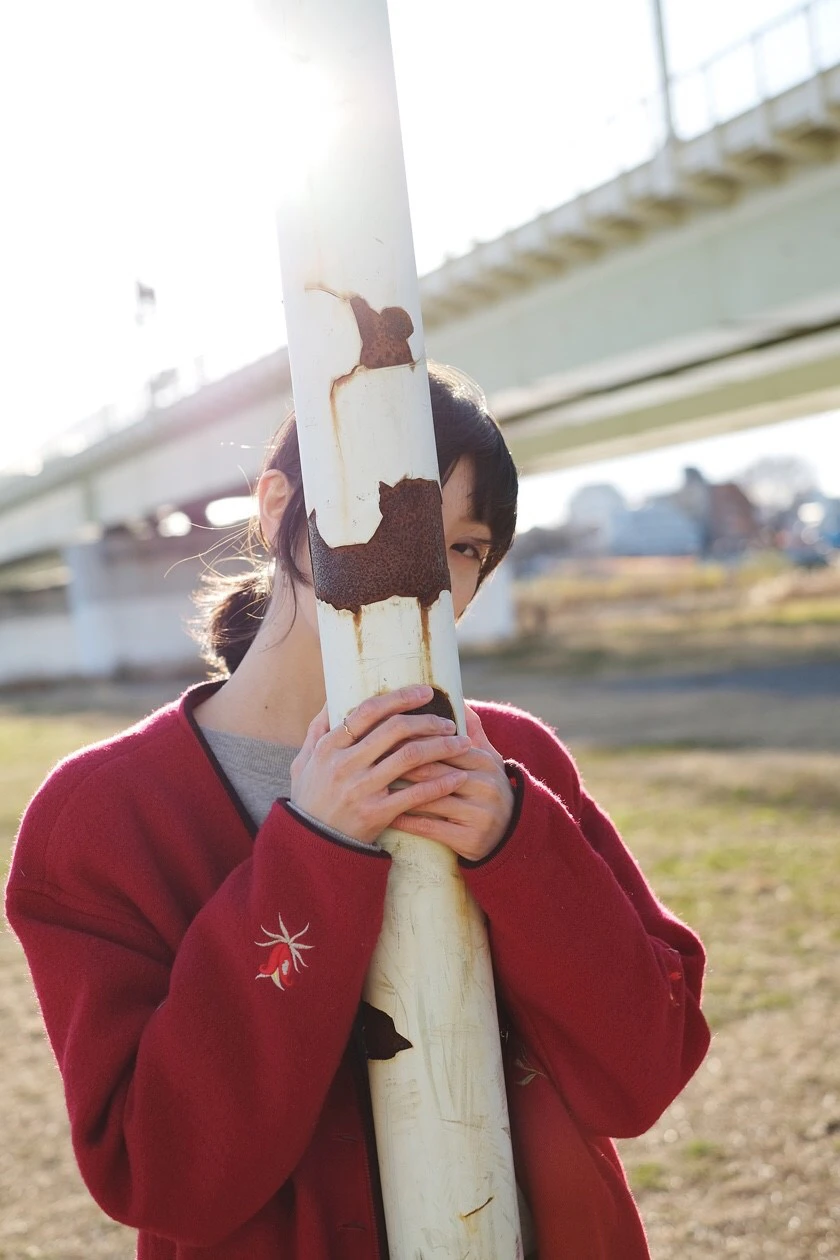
x: 694, y: 294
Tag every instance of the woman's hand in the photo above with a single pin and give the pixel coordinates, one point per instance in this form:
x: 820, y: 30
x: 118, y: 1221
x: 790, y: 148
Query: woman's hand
x: 473, y: 816
x: 342, y: 776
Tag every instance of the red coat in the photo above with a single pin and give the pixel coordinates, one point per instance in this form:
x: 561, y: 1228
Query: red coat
x: 200, y: 985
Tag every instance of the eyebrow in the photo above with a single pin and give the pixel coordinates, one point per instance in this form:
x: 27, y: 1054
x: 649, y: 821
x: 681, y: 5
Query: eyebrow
x: 468, y: 523
x: 471, y: 523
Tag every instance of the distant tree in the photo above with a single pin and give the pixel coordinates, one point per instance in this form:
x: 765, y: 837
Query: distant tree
x: 775, y: 482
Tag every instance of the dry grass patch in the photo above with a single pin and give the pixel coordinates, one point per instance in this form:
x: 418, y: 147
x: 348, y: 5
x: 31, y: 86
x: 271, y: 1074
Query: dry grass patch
x: 744, y: 846
x: 682, y: 615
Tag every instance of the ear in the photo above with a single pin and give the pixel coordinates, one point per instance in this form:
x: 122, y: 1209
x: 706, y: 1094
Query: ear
x: 273, y: 495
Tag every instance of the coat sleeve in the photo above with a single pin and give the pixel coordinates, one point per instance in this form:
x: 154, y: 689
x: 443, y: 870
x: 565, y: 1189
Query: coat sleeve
x: 194, y: 1080
x: 601, y: 983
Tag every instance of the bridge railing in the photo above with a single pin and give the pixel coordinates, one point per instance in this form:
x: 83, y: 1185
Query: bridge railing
x: 165, y: 387
x: 781, y: 54
x: 171, y: 383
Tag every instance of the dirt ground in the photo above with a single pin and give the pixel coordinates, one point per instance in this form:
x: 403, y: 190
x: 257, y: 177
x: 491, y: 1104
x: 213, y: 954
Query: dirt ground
x: 790, y: 705
x: 727, y: 787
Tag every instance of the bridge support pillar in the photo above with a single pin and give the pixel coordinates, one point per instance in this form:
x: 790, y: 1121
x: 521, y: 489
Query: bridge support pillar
x: 129, y: 602
x: 90, y: 604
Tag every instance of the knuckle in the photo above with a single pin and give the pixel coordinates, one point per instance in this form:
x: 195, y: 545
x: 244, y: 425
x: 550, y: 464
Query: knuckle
x: 365, y: 712
x: 433, y: 793
x: 409, y: 754
x: 400, y: 727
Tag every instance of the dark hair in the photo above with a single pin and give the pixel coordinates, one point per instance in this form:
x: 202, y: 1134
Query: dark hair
x: 231, y: 608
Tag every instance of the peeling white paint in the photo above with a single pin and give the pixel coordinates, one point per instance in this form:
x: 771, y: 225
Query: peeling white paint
x: 439, y: 1106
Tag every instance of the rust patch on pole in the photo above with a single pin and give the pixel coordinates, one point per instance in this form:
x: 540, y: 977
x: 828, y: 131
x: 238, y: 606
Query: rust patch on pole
x: 465, y: 1216
x: 406, y: 556
x: 379, y: 1034
x: 440, y: 705
x: 360, y: 639
x: 384, y: 334
x: 384, y: 337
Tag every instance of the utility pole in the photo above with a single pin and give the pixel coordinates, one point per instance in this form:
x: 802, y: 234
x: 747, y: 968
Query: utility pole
x: 385, y: 613
x: 664, y: 72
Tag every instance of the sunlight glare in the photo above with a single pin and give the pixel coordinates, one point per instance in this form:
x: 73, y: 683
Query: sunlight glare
x: 231, y: 511
x: 297, y: 112
x: 174, y: 525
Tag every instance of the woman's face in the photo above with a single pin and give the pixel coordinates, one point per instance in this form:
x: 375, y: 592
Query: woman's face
x: 467, y: 540
x: 467, y: 543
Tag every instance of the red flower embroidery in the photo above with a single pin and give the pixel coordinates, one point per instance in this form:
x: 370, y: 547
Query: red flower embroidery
x: 286, y: 955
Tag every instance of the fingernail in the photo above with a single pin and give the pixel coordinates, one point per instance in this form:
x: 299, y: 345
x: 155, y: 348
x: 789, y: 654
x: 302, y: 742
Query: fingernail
x: 422, y: 692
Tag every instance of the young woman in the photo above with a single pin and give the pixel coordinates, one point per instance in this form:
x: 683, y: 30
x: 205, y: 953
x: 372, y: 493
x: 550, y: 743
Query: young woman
x: 163, y: 879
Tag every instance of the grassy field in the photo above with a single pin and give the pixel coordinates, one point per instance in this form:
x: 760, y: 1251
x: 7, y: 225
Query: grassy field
x: 659, y: 615
x: 742, y: 843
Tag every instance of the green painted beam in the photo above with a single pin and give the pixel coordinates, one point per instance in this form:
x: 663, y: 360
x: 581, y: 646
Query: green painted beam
x: 771, y: 396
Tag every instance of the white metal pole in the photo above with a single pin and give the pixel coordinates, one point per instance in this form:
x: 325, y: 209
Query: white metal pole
x: 663, y: 71
x: 385, y: 614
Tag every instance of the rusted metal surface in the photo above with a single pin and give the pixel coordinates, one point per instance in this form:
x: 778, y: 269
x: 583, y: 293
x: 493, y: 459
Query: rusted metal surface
x: 384, y: 341
x: 379, y: 1034
x: 466, y: 1215
x: 405, y: 557
x: 440, y: 705
x: 384, y: 334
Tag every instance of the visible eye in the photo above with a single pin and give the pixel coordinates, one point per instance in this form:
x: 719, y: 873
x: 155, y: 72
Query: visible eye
x: 472, y: 551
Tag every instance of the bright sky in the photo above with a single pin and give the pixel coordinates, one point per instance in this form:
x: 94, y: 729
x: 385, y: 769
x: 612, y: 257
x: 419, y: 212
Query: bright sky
x: 138, y: 144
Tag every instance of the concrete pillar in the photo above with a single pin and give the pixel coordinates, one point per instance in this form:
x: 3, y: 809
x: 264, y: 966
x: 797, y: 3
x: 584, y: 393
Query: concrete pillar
x: 129, y: 601
x: 36, y: 635
x: 90, y: 609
